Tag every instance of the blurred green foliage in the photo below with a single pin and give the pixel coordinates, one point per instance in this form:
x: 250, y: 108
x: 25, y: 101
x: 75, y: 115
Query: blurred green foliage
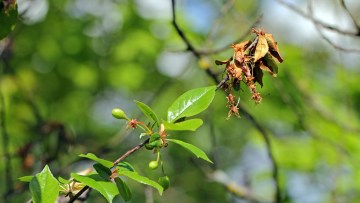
x: 64, y: 72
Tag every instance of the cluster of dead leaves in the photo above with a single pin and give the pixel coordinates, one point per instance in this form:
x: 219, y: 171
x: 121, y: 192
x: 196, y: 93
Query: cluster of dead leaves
x: 249, y: 61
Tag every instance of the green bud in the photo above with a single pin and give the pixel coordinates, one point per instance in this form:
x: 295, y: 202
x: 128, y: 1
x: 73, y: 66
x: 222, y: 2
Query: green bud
x: 153, y: 165
x: 164, y: 182
x: 119, y: 114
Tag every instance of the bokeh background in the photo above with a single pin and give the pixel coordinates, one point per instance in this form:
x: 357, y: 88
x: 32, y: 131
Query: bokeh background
x: 68, y: 63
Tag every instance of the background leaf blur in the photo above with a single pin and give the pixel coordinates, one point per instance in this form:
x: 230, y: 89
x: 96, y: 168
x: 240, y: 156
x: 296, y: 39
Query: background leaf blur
x: 67, y: 64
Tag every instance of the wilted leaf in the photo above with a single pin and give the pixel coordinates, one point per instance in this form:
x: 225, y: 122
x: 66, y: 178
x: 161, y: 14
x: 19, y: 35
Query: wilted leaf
x: 44, y: 187
x: 195, y: 150
x: 218, y: 62
x: 261, y: 48
x: 273, y: 48
x: 258, y: 74
x: 241, y: 45
x: 191, y: 124
x: 268, y: 64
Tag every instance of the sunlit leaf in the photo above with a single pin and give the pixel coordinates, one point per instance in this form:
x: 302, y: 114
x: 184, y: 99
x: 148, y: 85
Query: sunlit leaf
x: 93, y: 157
x: 191, y: 103
x: 106, y: 188
x: 273, y: 48
x: 44, y: 187
x: 195, y: 150
x: 261, y: 48
x: 141, y: 179
x: 124, y: 190
x: 191, y: 125
x: 125, y: 166
x: 148, y: 112
x: 25, y: 178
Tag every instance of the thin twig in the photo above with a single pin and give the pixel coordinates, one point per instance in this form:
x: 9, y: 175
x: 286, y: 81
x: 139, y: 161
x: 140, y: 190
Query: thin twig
x: 322, y: 24
x: 356, y: 24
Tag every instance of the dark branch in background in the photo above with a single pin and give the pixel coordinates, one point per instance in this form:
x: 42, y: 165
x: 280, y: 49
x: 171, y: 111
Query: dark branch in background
x: 122, y: 157
x: 322, y: 25
x: 251, y: 118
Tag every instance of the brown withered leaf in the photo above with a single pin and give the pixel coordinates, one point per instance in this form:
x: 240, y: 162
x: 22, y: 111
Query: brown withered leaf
x: 241, y: 46
x: 268, y: 64
x: 261, y: 48
x: 218, y: 62
x: 273, y: 48
x: 258, y: 75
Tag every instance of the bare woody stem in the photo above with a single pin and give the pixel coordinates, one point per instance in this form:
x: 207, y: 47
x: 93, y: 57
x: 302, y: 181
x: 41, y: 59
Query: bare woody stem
x: 129, y: 152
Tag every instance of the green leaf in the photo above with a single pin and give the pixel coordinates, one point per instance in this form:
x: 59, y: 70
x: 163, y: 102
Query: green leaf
x: 96, y: 182
x: 141, y: 179
x: 124, y: 190
x: 25, y: 178
x: 195, y: 150
x: 269, y: 65
x: 8, y: 19
x: 103, y: 171
x: 63, y: 180
x: 191, y: 103
x: 44, y: 187
x: 93, y: 157
x: 125, y: 166
x: 148, y: 112
x: 191, y: 124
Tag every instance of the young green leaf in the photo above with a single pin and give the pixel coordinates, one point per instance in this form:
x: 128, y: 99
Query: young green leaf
x: 96, y: 182
x: 103, y: 171
x: 191, y: 103
x: 63, y: 180
x: 124, y: 190
x: 93, y: 157
x: 198, y: 152
x: 148, y: 112
x: 44, y: 187
x: 25, y: 178
x: 125, y: 166
x: 191, y: 124
x: 141, y: 179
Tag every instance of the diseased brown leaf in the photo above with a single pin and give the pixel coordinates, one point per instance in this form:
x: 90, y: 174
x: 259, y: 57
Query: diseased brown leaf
x: 258, y: 74
x: 241, y: 45
x: 218, y: 62
x: 268, y: 64
x: 273, y: 48
x: 261, y: 48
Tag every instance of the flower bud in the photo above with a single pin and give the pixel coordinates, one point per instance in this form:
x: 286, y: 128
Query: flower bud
x: 119, y: 114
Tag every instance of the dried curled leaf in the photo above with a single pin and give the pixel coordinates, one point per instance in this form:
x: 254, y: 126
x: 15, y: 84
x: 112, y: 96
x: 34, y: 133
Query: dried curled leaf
x: 241, y: 46
x: 261, y: 48
x: 218, y: 62
x: 268, y: 64
x: 273, y: 48
x: 258, y: 75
